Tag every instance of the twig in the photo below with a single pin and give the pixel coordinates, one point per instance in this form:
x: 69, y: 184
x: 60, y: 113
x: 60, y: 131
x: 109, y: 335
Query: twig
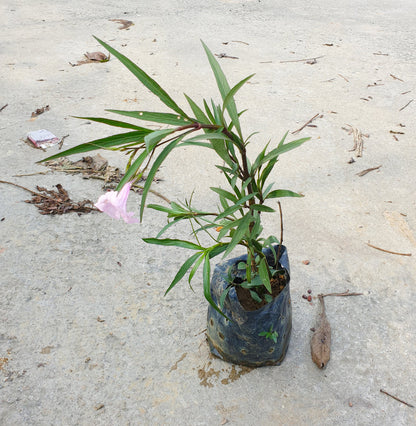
x: 344, y: 78
x: 397, y: 399
x: 402, y: 108
x: 281, y: 231
x: 32, y: 174
x: 303, y: 60
x: 62, y: 141
x: 396, y: 78
x: 388, y: 251
x: 364, y: 172
x: 2, y: 108
x: 28, y: 190
x: 308, y: 122
x: 346, y: 293
x: 238, y: 41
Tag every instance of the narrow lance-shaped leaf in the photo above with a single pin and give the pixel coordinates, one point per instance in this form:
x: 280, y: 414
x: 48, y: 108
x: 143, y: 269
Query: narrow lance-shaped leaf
x: 173, y: 242
x: 182, y: 271
x: 239, y: 233
x: 104, y: 143
x: 131, y: 172
x: 156, y: 136
x: 152, y: 173
x: 114, y: 123
x: 224, y: 88
x: 157, y: 117
x: 264, y: 274
x: 279, y: 193
x: 206, y: 274
x: 199, y: 114
x: 146, y: 80
x: 230, y: 95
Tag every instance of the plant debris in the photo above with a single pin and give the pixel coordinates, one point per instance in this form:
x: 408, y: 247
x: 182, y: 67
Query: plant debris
x: 402, y: 108
x: 364, y: 172
x: 224, y: 55
x: 40, y: 111
x: 321, y: 339
x: 396, y: 78
x: 310, y: 61
x: 397, y: 399
x: 358, y: 140
x: 308, y: 123
x: 58, y: 202
x: 92, y: 57
x: 124, y: 23
x: 388, y: 251
x: 2, y: 108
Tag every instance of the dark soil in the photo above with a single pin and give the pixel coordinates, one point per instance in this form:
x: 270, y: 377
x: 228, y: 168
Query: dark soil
x: 249, y: 304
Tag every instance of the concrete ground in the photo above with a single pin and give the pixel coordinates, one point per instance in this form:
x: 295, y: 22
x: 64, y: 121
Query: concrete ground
x: 86, y: 336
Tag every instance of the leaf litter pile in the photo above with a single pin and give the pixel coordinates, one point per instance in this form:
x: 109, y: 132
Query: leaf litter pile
x: 58, y: 202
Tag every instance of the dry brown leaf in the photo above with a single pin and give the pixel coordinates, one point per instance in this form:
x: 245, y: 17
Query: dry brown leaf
x: 124, y: 23
x: 321, y: 339
x: 96, y: 56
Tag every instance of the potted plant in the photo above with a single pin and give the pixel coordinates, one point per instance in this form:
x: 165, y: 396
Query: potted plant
x: 249, y: 314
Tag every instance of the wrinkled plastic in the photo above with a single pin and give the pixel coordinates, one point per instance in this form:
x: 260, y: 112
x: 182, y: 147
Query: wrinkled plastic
x: 238, y: 341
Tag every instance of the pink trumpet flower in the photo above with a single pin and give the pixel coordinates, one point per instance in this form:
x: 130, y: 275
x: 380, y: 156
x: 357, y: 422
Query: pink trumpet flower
x: 114, y: 203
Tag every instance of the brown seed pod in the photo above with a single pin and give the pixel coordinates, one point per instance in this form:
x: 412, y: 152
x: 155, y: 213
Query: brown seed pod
x: 321, y: 339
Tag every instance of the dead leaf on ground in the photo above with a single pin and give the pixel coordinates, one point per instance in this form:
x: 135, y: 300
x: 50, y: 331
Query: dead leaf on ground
x: 58, y: 202
x: 92, y: 57
x: 40, y: 111
x: 124, y: 23
x: 321, y: 339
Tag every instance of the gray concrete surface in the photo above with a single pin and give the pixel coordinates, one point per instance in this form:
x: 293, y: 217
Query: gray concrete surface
x: 87, y: 341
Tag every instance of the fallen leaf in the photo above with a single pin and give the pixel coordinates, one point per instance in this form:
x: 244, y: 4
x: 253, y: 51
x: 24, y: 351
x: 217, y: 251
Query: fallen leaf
x: 97, y: 56
x: 46, y: 350
x: 364, y: 172
x: 124, y: 23
x: 321, y: 339
x: 40, y: 111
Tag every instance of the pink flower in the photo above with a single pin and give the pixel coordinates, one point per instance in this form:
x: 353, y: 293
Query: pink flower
x: 114, y: 203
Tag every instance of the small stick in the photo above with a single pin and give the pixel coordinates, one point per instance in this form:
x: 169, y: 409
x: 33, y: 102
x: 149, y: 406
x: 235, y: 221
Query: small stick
x: 402, y: 108
x: 308, y: 122
x: 346, y: 293
x: 396, y: 78
x: 344, y: 78
x: 32, y: 174
x: 281, y: 231
x: 364, y: 172
x: 2, y: 108
x: 61, y: 142
x: 397, y: 399
x: 29, y: 190
x: 388, y: 251
x: 238, y: 41
x: 303, y: 60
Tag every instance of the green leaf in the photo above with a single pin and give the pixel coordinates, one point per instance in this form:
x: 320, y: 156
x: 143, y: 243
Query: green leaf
x: 279, y: 193
x: 223, y: 87
x: 158, y: 117
x: 182, y: 271
x: 146, y: 80
x: 264, y: 274
x: 114, y: 123
x: 282, y: 149
x: 225, y: 194
x: 209, y: 113
x: 195, y: 267
x: 230, y: 95
x: 152, y: 139
x: 255, y: 296
x: 199, y: 114
x: 108, y: 142
x: 224, y: 295
x: 206, y: 274
x: 239, y: 233
x: 217, y: 249
x: 242, y: 265
x: 173, y: 242
x: 262, y: 208
x: 132, y: 170
x: 235, y: 207
x: 159, y: 160
x: 167, y: 226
